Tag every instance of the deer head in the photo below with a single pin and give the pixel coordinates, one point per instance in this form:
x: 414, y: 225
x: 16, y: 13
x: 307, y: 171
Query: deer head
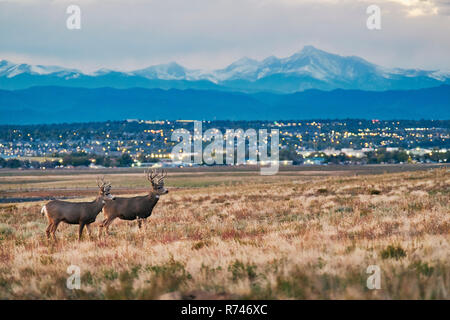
x: 104, y: 189
x: 157, y: 180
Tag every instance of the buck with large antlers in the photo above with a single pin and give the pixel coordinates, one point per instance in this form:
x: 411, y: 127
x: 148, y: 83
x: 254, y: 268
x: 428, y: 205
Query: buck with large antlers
x: 139, y: 208
x: 82, y: 213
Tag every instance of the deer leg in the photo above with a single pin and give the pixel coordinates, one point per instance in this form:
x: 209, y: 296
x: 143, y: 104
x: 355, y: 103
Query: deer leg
x: 88, y: 228
x: 80, y: 230
x: 100, y: 227
x: 139, y: 223
x: 53, y: 229
x: 103, y: 222
x: 47, y: 231
x: 107, y: 224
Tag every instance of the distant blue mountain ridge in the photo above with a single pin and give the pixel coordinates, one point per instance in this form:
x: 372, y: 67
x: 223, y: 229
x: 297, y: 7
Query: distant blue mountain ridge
x: 49, y: 104
x: 309, y: 84
x: 310, y: 68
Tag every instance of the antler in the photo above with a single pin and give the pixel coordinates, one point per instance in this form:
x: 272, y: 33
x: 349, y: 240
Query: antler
x: 151, y: 175
x: 163, y: 175
x: 103, y: 182
x: 100, y: 180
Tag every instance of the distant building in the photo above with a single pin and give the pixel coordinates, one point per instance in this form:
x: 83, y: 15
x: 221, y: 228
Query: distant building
x: 331, y: 152
x: 419, y: 151
x: 315, y: 160
x: 95, y: 166
x: 173, y: 164
x: 352, y: 153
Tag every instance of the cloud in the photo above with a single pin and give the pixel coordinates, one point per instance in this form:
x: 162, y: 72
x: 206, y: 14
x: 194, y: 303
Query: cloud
x: 212, y: 33
x: 411, y: 7
x: 416, y: 8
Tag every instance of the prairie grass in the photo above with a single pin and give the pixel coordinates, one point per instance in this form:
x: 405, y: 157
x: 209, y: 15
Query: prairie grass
x: 245, y: 236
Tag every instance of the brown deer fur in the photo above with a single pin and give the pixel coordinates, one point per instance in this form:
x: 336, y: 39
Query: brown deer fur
x: 139, y: 208
x: 82, y: 213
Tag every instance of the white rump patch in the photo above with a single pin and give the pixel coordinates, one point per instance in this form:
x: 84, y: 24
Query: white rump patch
x: 44, y: 211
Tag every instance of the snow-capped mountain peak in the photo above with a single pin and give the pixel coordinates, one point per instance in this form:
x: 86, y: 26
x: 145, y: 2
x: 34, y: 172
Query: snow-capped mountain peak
x: 9, y: 69
x: 168, y: 71
x: 307, y: 68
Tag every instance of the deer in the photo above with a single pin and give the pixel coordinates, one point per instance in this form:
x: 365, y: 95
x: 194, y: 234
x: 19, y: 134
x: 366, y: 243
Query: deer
x: 82, y: 213
x: 135, y: 208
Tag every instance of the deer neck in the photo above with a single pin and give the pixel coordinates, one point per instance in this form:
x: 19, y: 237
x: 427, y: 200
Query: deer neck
x: 99, y: 203
x: 154, y: 197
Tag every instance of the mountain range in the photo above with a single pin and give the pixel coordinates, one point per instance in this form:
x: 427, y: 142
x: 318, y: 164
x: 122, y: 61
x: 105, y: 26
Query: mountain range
x: 309, y: 68
x: 309, y: 84
x: 64, y: 104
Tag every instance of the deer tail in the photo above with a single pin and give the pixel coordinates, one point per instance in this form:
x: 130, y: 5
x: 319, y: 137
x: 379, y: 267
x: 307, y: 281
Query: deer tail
x: 44, y: 211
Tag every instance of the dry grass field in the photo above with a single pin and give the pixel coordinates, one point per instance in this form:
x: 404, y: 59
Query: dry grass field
x: 296, y: 235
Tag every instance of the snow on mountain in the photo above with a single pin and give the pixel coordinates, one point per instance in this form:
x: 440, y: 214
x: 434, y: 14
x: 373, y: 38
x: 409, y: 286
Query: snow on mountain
x: 101, y: 72
x: 309, y: 61
x: 319, y: 65
x: 244, y: 68
x: 307, y: 68
x: 169, y: 71
x: 10, y: 70
x: 440, y: 75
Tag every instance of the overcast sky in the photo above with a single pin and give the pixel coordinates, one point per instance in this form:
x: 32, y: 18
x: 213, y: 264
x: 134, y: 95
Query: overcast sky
x: 209, y: 34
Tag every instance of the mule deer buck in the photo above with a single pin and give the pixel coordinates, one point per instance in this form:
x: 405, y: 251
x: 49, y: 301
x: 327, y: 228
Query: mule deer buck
x: 82, y: 213
x: 140, y: 207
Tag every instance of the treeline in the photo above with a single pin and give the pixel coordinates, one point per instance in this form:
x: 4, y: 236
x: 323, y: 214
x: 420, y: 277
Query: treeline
x: 74, y: 159
x: 16, y: 163
x: 125, y: 160
x: 83, y: 159
x: 373, y: 157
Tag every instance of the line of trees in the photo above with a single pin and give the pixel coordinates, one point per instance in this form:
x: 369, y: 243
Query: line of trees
x: 125, y: 160
x: 74, y: 159
x: 373, y: 157
x: 83, y: 159
x: 16, y: 163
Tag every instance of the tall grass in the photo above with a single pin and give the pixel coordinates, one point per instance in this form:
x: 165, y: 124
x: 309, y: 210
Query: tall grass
x: 269, y: 238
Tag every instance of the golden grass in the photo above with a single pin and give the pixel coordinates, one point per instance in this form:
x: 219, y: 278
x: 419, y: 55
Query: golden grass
x: 243, y: 236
